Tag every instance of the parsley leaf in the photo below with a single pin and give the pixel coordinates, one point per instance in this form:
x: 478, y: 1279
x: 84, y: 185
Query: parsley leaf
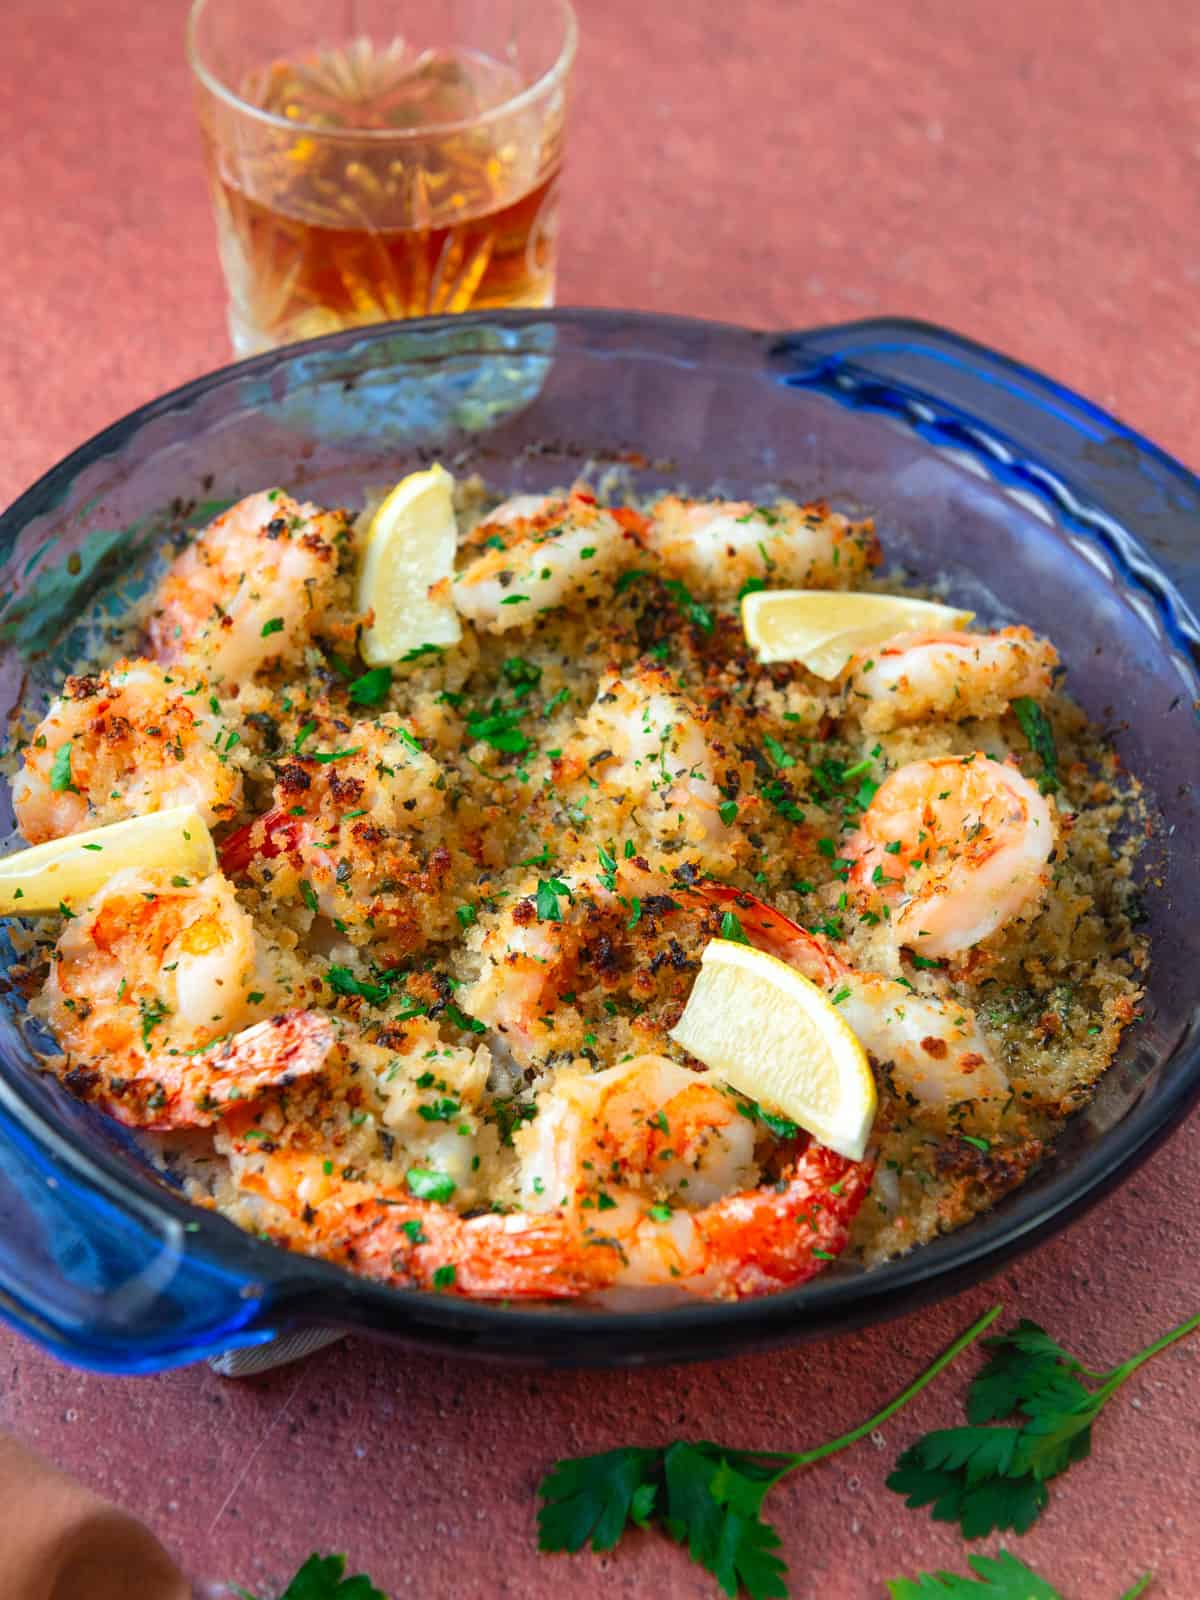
x: 426, y: 1183
x: 372, y: 687
x: 985, y: 1477
x: 1036, y: 728
x: 700, y: 1494
x: 342, y: 981
x: 152, y: 1012
x: 689, y: 606
x: 500, y: 728
x: 713, y: 1501
x: 524, y: 676
x: 781, y: 1127
x: 548, y: 891
x: 320, y: 1578
x: 60, y: 770
x: 998, y: 1577
x: 731, y: 928
x: 592, y: 1498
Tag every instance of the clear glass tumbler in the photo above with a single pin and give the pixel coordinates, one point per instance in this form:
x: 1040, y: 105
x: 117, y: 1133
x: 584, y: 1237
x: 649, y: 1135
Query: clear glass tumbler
x: 372, y: 159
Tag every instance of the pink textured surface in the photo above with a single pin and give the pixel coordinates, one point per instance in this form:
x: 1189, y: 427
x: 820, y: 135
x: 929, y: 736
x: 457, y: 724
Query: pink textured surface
x: 1027, y: 173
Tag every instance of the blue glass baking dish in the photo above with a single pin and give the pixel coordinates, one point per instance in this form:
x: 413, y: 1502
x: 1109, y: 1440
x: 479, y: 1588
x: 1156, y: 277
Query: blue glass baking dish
x: 1033, y: 502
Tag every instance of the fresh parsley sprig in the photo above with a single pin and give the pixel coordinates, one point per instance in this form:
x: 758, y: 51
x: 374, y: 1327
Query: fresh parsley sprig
x: 985, y: 1477
x: 320, y: 1578
x: 998, y: 1577
x: 702, y: 1495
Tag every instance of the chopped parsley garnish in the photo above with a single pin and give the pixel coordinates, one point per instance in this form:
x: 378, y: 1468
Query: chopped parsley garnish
x: 776, y: 792
x: 1036, y: 728
x: 460, y: 1019
x: 342, y: 981
x: 372, y: 688
x: 777, y: 753
x: 689, y: 606
x: 500, y: 728
x: 60, y: 770
x: 420, y: 650
x: 444, y: 1109
x: 731, y: 928
x: 524, y: 676
x: 306, y: 733
x: 428, y: 1184
x: 443, y: 1277
x: 727, y: 811
x: 628, y: 578
x: 309, y: 895
x: 467, y: 915
x: 274, y: 625
x: 781, y: 1127
x: 152, y: 1012
x: 548, y: 892
x: 324, y: 757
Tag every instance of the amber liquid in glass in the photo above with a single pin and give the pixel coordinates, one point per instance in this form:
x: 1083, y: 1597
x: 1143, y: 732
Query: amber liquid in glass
x: 319, y: 233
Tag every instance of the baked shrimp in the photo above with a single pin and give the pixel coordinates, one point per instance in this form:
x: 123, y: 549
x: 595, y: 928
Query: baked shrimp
x: 465, y: 1005
x: 250, y: 589
x: 716, y: 547
x: 153, y: 993
x: 134, y: 739
x: 915, y: 677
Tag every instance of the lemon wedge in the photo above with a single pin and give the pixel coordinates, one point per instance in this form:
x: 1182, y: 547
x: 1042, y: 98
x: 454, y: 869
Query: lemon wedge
x: 70, y: 870
x: 823, y: 628
x: 771, y: 1034
x: 407, y: 564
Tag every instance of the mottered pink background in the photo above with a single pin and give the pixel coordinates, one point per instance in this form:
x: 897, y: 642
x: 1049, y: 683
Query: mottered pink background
x: 1027, y: 173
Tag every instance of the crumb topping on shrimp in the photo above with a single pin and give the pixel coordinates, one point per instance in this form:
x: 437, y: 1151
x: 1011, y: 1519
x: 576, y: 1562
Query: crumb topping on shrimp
x: 421, y: 1020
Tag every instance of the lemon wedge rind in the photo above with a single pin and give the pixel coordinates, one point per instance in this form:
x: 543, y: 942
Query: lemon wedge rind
x: 771, y: 1034
x: 70, y: 870
x: 823, y: 628
x: 406, y: 567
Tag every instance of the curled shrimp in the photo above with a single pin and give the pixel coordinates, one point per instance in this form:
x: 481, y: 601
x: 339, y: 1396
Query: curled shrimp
x: 915, y: 676
x: 628, y: 1218
x: 152, y: 996
x: 645, y: 748
x: 250, y: 588
x: 344, y: 836
x: 956, y: 847
x: 716, y: 546
x: 566, y: 550
x: 121, y: 743
x: 419, y: 1244
x: 935, y: 1049
x: 656, y: 1166
x: 606, y: 932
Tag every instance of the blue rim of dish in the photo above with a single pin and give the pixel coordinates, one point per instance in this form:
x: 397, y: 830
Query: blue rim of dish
x: 272, y: 1291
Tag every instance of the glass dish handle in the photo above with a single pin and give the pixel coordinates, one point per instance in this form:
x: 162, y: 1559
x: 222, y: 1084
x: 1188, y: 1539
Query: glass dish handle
x: 106, y: 1277
x: 1028, y: 431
